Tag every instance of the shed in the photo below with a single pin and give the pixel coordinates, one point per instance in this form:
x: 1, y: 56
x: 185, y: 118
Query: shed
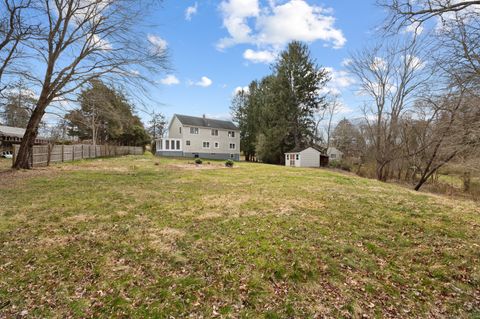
x: 334, y: 154
x: 313, y: 156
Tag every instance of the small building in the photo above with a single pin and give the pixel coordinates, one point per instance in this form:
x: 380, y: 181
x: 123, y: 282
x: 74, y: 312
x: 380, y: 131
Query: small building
x: 10, y: 135
x: 190, y: 136
x: 334, y: 154
x: 313, y: 156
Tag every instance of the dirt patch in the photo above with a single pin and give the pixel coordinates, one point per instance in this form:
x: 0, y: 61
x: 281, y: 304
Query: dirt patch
x: 191, y: 166
x: 166, y: 239
x: 209, y: 215
x: 11, y: 176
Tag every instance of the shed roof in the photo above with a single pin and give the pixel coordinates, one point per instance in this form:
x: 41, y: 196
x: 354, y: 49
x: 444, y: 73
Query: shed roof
x: 317, y: 148
x: 206, y: 122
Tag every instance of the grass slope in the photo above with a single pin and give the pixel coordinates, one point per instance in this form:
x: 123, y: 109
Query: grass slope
x: 145, y: 237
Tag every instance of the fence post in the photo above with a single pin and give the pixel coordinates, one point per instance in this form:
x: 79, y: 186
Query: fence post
x: 73, y: 153
x: 82, y: 153
x: 14, y: 154
x: 63, y: 153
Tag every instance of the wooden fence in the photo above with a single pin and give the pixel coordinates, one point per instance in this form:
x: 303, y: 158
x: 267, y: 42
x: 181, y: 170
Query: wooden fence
x: 44, y: 155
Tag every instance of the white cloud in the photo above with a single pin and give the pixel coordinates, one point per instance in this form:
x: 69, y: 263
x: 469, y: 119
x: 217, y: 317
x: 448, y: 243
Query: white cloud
x: 191, y: 11
x: 204, y: 82
x: 275, y: 25
x: 415, y: 28
x: 259, y: 56
x: 339, y: 80
x: 159, y: 45
x: 102, y: 44
x: 346, y: 62
x: 220, y: 116
x: 240, y: 88
x: 170, y: 80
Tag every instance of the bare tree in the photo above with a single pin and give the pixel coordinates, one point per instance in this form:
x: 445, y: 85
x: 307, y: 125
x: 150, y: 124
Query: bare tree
x: 13, y: 30
x: 390, y: 76
x: 416, y: 12
x: 83, y: 40
x: 447, y: 127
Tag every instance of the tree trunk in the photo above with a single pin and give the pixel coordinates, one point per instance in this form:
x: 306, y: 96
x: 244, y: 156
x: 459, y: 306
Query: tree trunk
x: 28, y: 140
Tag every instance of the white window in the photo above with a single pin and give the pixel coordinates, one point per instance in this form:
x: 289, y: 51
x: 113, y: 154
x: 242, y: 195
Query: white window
x: 214, y: 132
x: 231, y: 155
x: 172, y: 144
x: 332, y: 156
x: 180, y: 130
x: 194, y: 130
x: 288, y: 157
x: 167, y: 145
x: 231, y: 133
x: 206, y: 144
x: 232, y: 146
x: 178, y: 145
x: 187, y: 143
x: 217, y: 145
x: 298, y: 157
x: 160, y: 144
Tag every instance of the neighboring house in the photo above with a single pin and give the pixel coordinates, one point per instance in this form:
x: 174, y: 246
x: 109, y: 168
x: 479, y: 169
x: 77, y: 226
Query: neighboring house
x: 190, y: 136
x: 334, y: 154
x: 10, y: 135
x: 312, y: 156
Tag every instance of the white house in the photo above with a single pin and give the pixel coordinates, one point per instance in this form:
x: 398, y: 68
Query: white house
x: 334, y: 154
x: 190, y: 136
x: 312, y: 156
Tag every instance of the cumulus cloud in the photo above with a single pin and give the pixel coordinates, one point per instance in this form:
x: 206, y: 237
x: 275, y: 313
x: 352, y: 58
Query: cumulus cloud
x: 339, y: 80
x: 170, y: 80
x: 273, y: 26
x: 158, y: 44
x: 259, y: 56
x: 239, y: 89
x: 204, y: 82
x: 191, y: 11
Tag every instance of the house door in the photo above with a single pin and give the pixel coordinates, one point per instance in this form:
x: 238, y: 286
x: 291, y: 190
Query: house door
x: 292, y: 160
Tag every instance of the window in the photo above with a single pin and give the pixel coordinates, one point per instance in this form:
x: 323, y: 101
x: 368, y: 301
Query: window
x: 206, y: 144
x: 172, y: 142
x: 298, y: 157
x: 333, y: 156
x: 214, y: 132
x: 167, y: 145
x: 231, y: 133
x: 232, y: 146
x: 180, y: 130
x: 217, y: 145
x: 160, y: 144
x: 187, y: 143
x: 194, y: 130
x: 232, y: 156
x: 178, y: 145
x: 288, y: 157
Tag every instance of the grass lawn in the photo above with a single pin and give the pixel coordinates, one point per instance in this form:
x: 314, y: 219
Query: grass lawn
x: 139, y: 237
x: 5, y: 164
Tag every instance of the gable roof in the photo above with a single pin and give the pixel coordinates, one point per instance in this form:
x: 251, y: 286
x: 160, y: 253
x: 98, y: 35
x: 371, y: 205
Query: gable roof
x: 205, y: 122
x: 317, y: 148
x: 11, y: 131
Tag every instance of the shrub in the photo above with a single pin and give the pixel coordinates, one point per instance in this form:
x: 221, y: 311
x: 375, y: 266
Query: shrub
x: 229, y: 163
x: 340, y: 165
x: 198, y: 161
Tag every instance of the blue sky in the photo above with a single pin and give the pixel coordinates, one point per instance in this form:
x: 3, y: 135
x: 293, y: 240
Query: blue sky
x: 217, y: 46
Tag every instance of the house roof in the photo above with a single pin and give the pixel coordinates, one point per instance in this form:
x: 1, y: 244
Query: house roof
x: 11, y: 131
x: 15, y: 132
x: 205, y: 122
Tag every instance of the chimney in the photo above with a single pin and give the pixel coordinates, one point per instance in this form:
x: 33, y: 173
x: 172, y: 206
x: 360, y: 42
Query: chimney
x: 203, y: 116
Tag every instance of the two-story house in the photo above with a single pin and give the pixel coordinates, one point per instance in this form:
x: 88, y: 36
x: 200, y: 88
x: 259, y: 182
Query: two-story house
x: 190, y: 136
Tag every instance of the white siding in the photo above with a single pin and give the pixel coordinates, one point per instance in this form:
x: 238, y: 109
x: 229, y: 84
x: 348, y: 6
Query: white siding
x: 174, y: 129
x: 334, y: 154
x: 205, y: 135
x: 310, y: 157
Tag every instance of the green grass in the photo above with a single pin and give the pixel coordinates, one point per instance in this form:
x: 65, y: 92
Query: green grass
x: 141, y: 237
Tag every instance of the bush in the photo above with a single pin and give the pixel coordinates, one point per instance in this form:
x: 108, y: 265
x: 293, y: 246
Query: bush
x: 229, y: 163
x: 198, y: 161
x: 340, y: 165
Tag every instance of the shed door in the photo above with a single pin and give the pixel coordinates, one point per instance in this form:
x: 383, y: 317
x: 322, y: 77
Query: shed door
x: 292, y: 160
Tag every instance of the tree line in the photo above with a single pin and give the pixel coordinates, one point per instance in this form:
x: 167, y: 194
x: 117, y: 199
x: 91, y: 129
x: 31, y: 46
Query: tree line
x: 419, y: 91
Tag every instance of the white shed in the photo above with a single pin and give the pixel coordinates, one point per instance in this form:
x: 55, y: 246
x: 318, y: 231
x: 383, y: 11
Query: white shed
x: 309, y: 157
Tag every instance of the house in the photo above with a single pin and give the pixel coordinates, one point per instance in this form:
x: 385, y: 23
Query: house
x: 190, y: 136
x: 334, y: 154
x: 313, y: 156
x: 10, y: 135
